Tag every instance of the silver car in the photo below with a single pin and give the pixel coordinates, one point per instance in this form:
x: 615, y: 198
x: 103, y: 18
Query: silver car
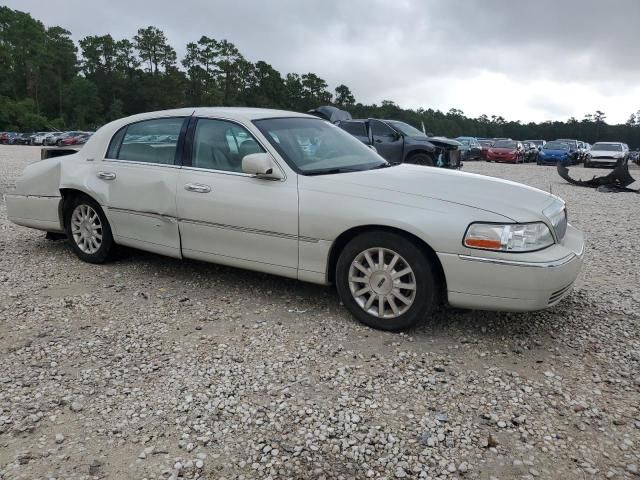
x: 606, y: 154
x: 293, y: 195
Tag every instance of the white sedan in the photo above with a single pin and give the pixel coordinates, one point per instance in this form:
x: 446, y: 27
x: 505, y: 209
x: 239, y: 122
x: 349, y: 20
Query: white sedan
x: 293, y: 195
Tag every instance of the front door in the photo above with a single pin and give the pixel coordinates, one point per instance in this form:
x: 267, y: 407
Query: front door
x: 388, y: 143
x: 229, y: 217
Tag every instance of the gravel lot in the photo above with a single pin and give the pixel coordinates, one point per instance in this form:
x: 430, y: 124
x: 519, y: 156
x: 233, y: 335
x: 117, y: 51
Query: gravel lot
x: 149, y: 367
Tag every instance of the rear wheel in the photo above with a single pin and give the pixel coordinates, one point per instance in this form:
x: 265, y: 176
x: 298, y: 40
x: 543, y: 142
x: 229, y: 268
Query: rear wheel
x: 386, y: 281
x: 88, y: 230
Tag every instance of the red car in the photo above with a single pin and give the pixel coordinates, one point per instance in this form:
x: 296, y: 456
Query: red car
x: 75, y: 139
x: 508, y: 151
x: 486, y: 145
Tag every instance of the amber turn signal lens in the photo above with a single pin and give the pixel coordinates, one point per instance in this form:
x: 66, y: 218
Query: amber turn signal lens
x: 483, y: 243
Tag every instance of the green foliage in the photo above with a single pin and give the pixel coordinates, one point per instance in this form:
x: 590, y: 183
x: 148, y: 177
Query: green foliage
x: 42, y: 78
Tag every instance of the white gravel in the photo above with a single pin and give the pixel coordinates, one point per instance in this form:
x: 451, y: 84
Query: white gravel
x: 149, y: 367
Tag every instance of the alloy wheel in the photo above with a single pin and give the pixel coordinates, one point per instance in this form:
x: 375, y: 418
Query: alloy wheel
x: 382, y: 282
x: 86, y: 229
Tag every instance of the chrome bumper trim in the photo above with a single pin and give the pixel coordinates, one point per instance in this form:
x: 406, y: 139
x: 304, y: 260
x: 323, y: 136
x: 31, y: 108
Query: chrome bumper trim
x: 513, y: 263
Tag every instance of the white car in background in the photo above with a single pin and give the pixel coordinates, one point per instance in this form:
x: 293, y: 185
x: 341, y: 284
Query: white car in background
x: 293, y: 195
x: 604, y: 154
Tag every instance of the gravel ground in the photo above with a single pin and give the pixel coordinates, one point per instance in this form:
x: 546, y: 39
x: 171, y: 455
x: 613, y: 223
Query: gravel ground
x: 149, y: 367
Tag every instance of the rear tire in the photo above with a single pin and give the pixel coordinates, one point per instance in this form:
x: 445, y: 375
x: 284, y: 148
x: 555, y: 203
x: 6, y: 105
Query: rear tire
x: 386, y: 281
x: 88, y: 230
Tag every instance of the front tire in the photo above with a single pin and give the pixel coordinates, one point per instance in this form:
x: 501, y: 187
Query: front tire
x: 386, y: 281
x: 88, y: 230
x: 422, y: 159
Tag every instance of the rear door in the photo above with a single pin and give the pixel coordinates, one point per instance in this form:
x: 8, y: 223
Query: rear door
x: 139, y: 175
x: 388, y: 143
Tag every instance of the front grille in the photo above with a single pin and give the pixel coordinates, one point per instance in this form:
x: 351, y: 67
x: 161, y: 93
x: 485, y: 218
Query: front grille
x: 603, y: 157
x: 559, y: 294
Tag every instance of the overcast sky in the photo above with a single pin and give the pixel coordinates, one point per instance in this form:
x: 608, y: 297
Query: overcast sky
x: 528, y: 60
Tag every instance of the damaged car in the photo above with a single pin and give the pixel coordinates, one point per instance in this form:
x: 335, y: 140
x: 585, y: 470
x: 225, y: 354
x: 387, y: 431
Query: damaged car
x: 399, y: 142
x: 293, y: 195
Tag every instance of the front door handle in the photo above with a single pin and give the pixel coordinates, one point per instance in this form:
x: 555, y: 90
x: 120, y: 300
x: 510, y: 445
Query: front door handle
x: 197, y: 188
x: 106, y: 175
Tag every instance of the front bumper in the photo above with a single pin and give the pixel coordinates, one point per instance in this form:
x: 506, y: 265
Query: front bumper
x: 604, y: 161
x: 524, y: 282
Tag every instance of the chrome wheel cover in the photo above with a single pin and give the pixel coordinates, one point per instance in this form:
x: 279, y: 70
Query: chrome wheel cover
x: 86, y: 229
x: 382, y: 282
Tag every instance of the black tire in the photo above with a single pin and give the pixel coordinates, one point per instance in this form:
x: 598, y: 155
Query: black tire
x: 107, y: 246
x: 422, y: 159
x: 427, y: 287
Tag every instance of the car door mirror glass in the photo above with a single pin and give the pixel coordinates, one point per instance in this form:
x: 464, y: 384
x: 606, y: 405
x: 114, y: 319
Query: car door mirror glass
x: 260, y: 165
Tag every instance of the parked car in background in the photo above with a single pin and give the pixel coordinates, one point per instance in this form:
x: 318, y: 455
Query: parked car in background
x: 292, y: 195
x: 575, y: 152
x: 485, y: 145
x: 470, y: 148
x: 530, y: 151
x: 77, y: 139
x: 59, y: 138
x: 554, y: 152
x: 7, y: 138
x: 537, y: 143
x: 22, y: 139
x: 606, y: 154
x: 509, y: 151
x: 41, y: 137
x: 399, y: 142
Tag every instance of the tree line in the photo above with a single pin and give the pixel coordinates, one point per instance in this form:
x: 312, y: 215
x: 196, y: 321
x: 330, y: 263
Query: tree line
x: 47, y: 81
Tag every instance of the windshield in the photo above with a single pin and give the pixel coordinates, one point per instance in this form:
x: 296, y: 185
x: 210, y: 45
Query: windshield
x: 314, y: 147
x: 556, y: 146
x: 505, y: 144
x: 405, y: 128
x: 609, y: 147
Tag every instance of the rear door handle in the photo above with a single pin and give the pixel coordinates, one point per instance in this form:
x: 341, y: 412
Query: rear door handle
x: 197, y: 188
x: 106, y: 175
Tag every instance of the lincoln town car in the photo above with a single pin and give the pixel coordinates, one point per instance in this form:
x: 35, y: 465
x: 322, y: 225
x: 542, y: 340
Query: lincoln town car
x: 293, y: 195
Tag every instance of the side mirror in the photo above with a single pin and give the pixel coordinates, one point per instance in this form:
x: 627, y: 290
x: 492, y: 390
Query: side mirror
x: 260, y: 165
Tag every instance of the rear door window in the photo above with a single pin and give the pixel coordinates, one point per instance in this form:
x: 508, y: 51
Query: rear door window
x: 149, y: 141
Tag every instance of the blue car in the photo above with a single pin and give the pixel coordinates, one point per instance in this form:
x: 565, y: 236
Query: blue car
x: 553, y: 152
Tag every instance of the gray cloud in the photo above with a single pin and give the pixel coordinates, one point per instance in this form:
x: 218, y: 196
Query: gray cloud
x: 539, y: 60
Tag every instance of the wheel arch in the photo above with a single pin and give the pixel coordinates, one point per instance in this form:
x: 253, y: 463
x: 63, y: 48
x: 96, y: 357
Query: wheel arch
x: 345, y: 237
x: 67, y: 194
x: 420, y: 150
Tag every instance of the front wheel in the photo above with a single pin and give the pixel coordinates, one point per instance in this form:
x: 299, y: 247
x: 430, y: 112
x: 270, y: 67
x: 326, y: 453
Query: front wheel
x: 386, y: 281
x: 422, y: 159
x: 88, y: 230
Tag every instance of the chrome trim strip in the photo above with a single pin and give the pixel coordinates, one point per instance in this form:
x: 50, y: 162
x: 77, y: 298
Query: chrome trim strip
x: 16, y: 195
x: 143, y: 213
x: 218, y: 225
x: 134, y: 162
x: 250, y: 230
x: 513, y: 263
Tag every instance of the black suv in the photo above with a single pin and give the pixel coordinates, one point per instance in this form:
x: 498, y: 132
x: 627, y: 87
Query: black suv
x: 399, y: 142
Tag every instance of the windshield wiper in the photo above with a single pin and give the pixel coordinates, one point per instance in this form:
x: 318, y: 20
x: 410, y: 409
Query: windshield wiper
x: 386, y: 165
x: 330, y: 171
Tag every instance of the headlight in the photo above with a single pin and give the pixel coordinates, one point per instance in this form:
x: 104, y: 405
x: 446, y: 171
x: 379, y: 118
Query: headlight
x: 619, y: 155
x: 526, y: 237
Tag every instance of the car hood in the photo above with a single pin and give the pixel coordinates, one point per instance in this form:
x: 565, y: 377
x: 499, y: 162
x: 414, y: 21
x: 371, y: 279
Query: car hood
x: 519, y: 203
x: 554, y: 152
